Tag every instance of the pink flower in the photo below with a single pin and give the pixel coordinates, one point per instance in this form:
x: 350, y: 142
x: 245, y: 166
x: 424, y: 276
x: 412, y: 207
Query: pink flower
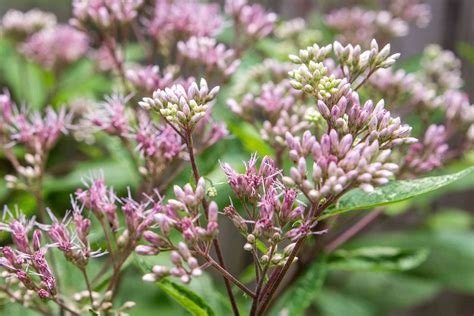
x: 39, y: 133
x: 184, y: 18
x: 104, y: 13
x: 161, y: 143
x: 148, y: 79
x: 110, y: 116
x: 56, y: 47
x: 100, y: 199
x: 251, y: 19
x: 429, y: 154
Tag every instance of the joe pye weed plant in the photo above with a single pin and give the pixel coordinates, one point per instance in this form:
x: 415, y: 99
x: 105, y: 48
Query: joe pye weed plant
x: 122, y: 158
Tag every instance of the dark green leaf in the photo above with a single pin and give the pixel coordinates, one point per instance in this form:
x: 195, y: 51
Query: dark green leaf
x: 376, y: 259
x: 299, y: 296
x: 186, y: 298
x: 393, y: 192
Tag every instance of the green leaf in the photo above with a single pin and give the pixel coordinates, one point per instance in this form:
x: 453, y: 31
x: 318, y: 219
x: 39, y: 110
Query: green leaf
x: 393, y: 192
x: 377, y: 259
x: 189, y: 300
x: 117, y: 174
x: 466, y: 50
x: 202, y: 285
x: 450, y: 259
x: 299, y: 297
x: 334, y: 303
x: 450, y: 219
x: 412, y: 64
x: 250, y: 138
x: 261, y: 246
x: 81, y: 80
x: 387, y: 291
x: 25, y: 80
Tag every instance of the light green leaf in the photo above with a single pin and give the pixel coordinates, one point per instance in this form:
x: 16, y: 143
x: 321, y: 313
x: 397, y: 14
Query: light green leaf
x: 393, y: 192
x: 299, y: 297
x: 376, y: 259
x: 189, y: 300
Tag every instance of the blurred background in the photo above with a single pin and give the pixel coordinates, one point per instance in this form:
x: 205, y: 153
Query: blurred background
x: 451, y: 26
x: 443, y: 222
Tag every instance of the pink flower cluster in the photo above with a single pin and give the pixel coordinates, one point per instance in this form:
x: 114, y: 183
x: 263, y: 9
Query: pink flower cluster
x: 358, y: 25
x: 17, y: 25
x: 207, y: 52
x: 38, y: 133
x: 183, y: 19
x: 56, y: 47
x: 104, y: 13
x: 183, y: 215
x: 250, y: 20
x: 148, y: 79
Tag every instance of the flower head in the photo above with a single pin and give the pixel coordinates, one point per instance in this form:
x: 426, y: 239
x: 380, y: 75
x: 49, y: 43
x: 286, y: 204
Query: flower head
x: 110, y: 116
x: 160, y: 143
x: 39, y: 133
x: 100, y: 199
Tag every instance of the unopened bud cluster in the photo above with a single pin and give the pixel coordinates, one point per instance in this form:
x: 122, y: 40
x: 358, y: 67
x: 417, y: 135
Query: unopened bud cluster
x: 185, y: 266
x: 181, y: 214
x: 314, y: 77
x: 182, y: 107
